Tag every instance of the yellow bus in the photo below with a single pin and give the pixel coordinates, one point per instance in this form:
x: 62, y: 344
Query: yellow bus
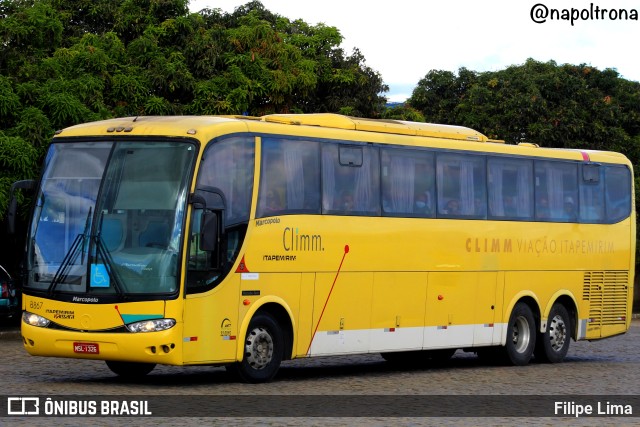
x: 245, y: 241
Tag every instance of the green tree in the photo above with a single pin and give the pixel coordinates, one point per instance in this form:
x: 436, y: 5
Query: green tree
x: 572, y: 106
x: 403, y: 112
x: 437, y: 95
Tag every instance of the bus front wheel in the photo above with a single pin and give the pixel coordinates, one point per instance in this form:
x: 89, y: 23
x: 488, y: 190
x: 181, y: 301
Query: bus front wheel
x: 263, y: 350
x: 521, y: 335
x: 130, y: 369
x: 553, y: 345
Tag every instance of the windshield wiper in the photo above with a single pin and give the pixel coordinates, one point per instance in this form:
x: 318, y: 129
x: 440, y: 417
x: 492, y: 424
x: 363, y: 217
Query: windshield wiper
x: 78, y: 248
x: 102, y: 251
x: 63, y: 270
x: 71, y: 256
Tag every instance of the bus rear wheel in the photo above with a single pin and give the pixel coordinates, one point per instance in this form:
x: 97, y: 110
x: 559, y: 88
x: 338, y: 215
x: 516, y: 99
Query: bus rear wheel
x: 553, y: 345
x: 263, y: 351
x: 130, y: 369
x: 521, y: 335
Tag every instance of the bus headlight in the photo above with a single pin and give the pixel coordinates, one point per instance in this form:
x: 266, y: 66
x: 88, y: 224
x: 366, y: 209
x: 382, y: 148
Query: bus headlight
x: 154, y: 325
x: 35, y: 320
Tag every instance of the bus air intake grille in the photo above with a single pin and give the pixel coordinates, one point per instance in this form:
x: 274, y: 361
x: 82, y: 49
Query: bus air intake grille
x: 607, y: 292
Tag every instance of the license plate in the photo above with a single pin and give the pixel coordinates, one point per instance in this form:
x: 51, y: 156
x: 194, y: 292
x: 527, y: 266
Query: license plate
x: 86, y: 348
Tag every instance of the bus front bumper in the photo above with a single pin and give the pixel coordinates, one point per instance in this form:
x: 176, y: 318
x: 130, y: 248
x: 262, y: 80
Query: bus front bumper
x: 163, y: 347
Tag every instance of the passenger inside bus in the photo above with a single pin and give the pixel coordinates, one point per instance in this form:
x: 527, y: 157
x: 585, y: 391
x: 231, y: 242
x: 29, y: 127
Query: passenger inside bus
x: 453, y: 207
x: 542, y: 208
x: 274, y: 202
x: 346, y: 201
x: 569, y: 209
x: 422, y: 204
x: 510, y: 208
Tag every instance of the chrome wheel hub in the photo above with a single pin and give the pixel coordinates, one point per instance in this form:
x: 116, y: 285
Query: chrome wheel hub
x: 521, y: 334
x: 557, y: 333
x: 259, y: 348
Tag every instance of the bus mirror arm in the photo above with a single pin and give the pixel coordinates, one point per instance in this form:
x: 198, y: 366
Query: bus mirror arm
x: 208, y: 198
x: 27, y: 184
x: 197, y: 199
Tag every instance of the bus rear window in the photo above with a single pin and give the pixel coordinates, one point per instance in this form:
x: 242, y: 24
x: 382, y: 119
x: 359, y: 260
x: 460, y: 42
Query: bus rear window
x: 618, y: 191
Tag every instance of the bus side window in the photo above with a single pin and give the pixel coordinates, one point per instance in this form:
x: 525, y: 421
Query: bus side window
x: 228, y: 166
x: 618, y: 193
x: 592, y: 193
x: 408, y: 183
x: 556, y: 191
x: 290, y: 178
x: 350, y: 187
x: 461, y: 185
x: 198, y: 260
x: 510, y: 190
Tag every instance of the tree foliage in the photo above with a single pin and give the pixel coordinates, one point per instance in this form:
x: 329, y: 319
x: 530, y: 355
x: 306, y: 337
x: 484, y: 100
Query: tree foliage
x: 570, y: 106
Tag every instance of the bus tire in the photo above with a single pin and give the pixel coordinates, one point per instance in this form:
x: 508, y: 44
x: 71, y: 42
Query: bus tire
x: 263, y: 350
x: 553, y: 345
x: 521, y: 335
x: 130, y: 369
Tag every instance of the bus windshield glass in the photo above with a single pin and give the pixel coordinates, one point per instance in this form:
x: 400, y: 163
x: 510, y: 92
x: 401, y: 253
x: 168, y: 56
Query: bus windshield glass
x: 109, y: 217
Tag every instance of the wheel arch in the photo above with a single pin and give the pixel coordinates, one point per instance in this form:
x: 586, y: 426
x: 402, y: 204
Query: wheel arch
x: 281, y: 313
x: 569, y: 302
x: 527, y: 298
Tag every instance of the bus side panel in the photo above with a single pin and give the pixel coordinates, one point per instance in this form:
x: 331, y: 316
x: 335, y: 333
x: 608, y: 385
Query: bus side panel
x: 500, y: 323
x: 485, y: 309
x: 460, y: 309
x: 305, y: 321
x: 342, y: 314
x: 211, y: 324
x: 398, y: 310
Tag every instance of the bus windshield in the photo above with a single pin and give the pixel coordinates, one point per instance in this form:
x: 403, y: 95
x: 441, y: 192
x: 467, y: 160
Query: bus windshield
x: 108, y: 218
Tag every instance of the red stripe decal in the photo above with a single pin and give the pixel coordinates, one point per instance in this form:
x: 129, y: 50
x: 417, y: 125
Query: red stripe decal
x: 346, y: 251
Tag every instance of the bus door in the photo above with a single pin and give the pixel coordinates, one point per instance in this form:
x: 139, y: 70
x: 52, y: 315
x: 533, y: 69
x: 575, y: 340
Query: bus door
x: 210, y: 330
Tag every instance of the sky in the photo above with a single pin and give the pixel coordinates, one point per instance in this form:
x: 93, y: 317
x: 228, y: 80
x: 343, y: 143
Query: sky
x: 404, y: 39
